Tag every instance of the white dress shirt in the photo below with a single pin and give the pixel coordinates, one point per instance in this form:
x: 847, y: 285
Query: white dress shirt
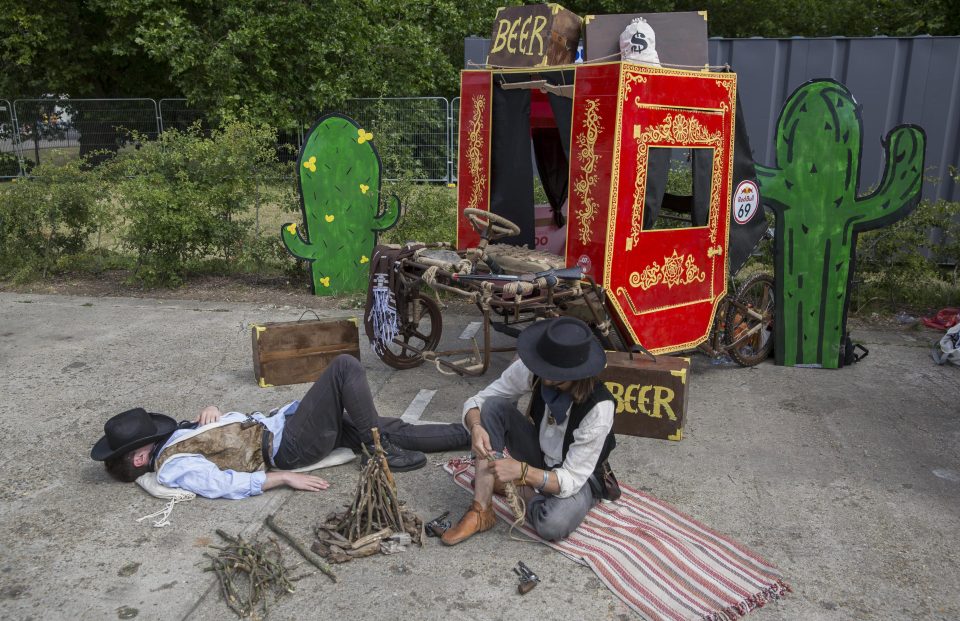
x: 517, y: 381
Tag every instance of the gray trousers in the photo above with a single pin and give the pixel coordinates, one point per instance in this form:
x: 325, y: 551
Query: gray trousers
x: 552, y: 517
x: 338, y: 410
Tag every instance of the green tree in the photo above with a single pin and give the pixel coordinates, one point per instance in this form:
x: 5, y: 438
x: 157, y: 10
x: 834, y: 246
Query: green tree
x: 275, y: 61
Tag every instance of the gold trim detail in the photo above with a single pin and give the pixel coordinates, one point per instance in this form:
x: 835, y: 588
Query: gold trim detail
x: 588, y: 157
x: 677, y: 436
x: 474, y: 149
x: 629, y: 81
x: 675, y: 272
x: 681, y: 130
x: 682, y: 374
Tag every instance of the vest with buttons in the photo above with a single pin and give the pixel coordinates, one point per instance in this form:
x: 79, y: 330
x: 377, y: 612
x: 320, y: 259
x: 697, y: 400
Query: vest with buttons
x: 578, y: 411
x: 235, y: 446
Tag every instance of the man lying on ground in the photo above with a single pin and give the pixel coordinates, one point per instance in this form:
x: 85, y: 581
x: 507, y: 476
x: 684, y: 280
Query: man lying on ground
x: 236, y: 455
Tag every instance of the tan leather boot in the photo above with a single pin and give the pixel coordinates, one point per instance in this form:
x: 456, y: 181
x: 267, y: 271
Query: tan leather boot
x: 475, y: 520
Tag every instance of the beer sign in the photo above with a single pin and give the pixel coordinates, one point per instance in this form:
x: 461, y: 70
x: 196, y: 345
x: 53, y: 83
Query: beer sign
x: 651, y: 397
x: 534, y: 36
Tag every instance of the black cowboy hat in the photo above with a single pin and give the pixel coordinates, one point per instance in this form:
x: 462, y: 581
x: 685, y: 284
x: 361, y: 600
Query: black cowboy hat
x: 561, y: 349
x: 128, y: 431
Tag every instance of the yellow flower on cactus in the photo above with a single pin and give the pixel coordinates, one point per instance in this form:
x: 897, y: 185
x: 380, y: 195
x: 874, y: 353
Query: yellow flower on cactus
x: 325, y: 281
x: 364, y: 259
x: 364, y: 188
x: 292, y: 227
x: 311, y: 164
x: 363, y: 136
x: 329, y: 217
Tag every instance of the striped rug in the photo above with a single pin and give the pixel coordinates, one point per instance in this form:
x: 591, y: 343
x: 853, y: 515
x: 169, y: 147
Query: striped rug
x: 663, y: 564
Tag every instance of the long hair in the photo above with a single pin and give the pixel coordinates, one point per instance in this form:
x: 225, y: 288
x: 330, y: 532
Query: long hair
x: 581, y: 389
x: 122, y: 469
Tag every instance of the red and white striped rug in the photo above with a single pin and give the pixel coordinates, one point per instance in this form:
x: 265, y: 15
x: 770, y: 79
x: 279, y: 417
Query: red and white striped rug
x: 663, y: 564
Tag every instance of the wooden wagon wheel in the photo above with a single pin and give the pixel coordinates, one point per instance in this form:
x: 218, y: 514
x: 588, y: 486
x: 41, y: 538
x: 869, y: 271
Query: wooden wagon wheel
x: 421, y: 325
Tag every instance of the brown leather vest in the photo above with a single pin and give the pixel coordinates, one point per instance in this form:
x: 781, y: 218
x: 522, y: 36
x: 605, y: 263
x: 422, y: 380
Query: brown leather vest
x: 234, y: 446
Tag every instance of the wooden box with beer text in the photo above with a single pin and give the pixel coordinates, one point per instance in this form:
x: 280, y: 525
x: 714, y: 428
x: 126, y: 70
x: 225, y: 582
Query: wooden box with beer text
x: 296, y: 352
x: 651, y: 397
x: 535, y: 35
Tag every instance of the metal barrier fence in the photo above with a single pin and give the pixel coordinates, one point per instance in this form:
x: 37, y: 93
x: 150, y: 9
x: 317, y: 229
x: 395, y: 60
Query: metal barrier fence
x: 454, y: 137
x: 415, y: 135
x: 64, y: 129
x: 412, y: 134
x: 10, y: 165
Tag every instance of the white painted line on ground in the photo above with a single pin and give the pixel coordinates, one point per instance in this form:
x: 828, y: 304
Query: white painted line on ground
x: 415, y: 410
x: 471, y: 330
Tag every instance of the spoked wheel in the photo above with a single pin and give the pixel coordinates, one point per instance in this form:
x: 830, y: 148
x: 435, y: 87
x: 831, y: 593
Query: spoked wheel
x: 748, y: 334
x: 420, y: 326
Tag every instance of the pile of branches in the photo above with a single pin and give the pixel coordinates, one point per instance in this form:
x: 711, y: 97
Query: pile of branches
x: 375, y: 516
x: 248, y: 572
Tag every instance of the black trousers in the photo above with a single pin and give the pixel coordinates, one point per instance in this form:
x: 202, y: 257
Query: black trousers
x: 338, y: 410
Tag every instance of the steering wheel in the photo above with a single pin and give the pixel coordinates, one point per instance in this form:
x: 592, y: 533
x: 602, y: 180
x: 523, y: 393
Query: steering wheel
x: 490, y: 225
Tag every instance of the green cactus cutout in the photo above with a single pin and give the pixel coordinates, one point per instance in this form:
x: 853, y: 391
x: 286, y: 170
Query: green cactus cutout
x: 340, y: 199
x: 813, y: 192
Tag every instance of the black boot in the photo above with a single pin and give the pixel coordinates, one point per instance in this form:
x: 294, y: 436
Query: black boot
x: 399, y: 460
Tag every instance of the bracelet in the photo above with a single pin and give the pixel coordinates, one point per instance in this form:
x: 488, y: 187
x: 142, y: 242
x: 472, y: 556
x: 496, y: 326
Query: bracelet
x: 523, y: 472
x: 546, y: 479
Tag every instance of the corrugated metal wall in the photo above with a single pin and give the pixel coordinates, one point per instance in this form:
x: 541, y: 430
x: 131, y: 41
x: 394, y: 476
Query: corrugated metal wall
x: 896, y: 80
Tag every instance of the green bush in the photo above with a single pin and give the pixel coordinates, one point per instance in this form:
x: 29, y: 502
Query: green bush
x: 185, y: 198
x: 901, y: 266
x: 429, y: 214
x: 49, y: 218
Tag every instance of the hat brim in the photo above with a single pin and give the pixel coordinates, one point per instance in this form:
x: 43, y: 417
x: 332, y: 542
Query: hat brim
x: 527, y: 349
x: 101, y: 451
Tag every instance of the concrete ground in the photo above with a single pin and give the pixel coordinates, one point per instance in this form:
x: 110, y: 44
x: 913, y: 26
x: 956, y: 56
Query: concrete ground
x: 848, y: 480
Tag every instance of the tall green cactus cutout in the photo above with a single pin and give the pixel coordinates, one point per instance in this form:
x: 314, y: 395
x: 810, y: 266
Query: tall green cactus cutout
x: 340, y: 199
x: 813, y: 191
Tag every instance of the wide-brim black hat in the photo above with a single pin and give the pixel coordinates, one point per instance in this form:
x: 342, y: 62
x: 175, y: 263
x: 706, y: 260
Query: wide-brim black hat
x: 128, y: 431
x: 561, y: 349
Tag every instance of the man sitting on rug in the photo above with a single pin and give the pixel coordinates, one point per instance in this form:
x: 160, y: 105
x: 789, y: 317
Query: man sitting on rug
x: 237, y: 455
x: 558, y: 457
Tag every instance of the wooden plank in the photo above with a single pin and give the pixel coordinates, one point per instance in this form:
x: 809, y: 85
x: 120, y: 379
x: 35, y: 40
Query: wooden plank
x: 298, y: 351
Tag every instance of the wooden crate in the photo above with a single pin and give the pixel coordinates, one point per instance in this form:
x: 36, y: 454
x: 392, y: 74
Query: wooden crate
x: 651, y: 396
x: 535, y: 35
x: 295, y: 352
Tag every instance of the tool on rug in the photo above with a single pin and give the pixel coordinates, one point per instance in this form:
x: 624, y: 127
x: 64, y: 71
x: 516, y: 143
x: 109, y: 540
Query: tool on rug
x: 438, y: 525
x: 528, y: 579
x: 374, y: 517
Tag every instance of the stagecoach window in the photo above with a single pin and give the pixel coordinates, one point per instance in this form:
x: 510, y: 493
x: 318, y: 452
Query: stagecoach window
x: 678, y: 187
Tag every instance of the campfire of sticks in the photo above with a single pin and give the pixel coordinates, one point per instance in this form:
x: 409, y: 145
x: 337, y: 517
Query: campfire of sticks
x: 376, y: 520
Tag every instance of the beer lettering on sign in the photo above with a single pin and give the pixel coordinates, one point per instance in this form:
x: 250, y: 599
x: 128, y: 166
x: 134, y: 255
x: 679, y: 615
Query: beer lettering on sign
x: 637, y: 399
x: 530, y: 37
x: 534, y: 36
x: 651, y: 395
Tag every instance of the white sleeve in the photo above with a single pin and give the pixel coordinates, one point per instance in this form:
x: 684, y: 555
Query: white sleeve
x: 582, y: 456
x: 515, y: 381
